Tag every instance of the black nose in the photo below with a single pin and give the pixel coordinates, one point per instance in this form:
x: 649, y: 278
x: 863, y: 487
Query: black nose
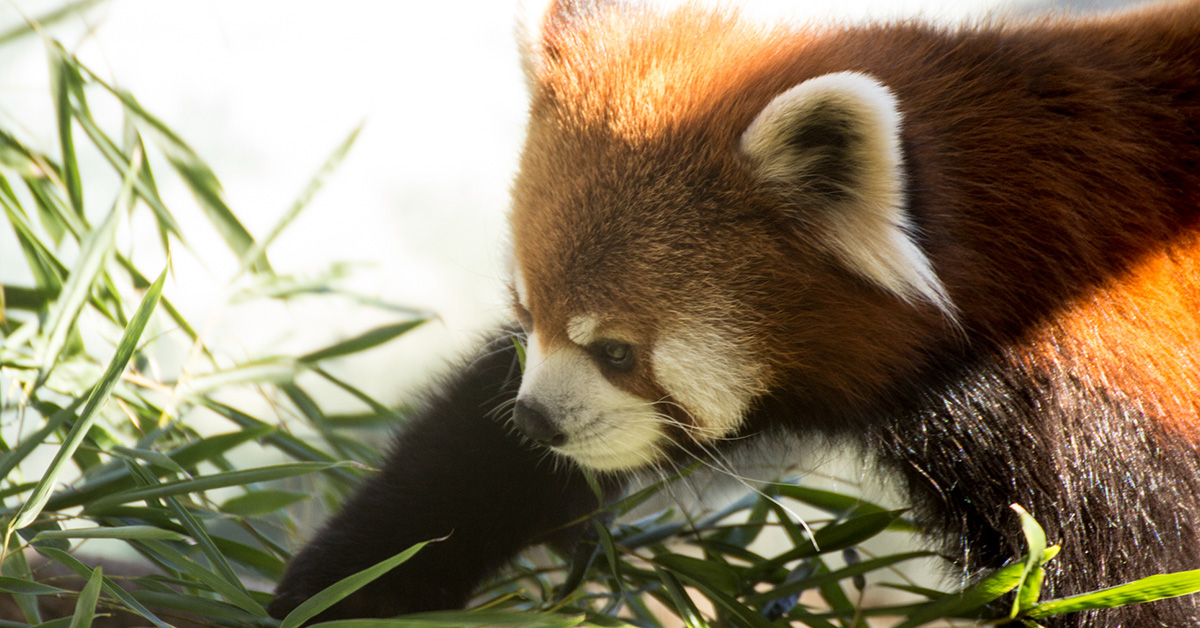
x: 533, y: 421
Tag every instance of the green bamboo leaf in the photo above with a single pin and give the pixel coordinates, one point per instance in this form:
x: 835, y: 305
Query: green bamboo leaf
x: 195, y: 174
x: 186, y: 456
x: 837, y: 503
x: 47, y: 271
x: 36, y: 24
x: 1030, y: 587
x: 26, y: 299
x: 339, y: 590
x: 64, y: 79
x: 275, y: 370
x: 226, y: 585
x: 72, y: 563
x: 197, y: 606
x: 1156, y: 587
x: 9, y: 460
x: 259, y: 503
x: 85, y: 606
x: 742, y: 615
x: 95, y: 401
x: 95, y: 250
x: 832, y: 538
x: 155, y: 458
x: 719, y: 574
x: 685, y: 608
x: 820, y: 579
x: 209, y: 482
x: 314, y: 185
x: 22, y: 586
x: 143, y: 179
x: 969, y: 600
x: 124, y: 532
x: 362, y: 342
x: 464, y: 619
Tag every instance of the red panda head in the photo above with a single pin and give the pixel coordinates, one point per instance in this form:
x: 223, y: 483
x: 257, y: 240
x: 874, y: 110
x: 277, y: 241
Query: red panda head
x: 699, y: 220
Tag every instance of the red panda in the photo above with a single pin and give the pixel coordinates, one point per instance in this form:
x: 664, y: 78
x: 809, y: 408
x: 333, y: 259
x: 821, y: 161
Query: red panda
x: 975, y: 252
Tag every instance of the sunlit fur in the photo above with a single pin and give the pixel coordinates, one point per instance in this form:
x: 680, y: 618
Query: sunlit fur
x: 864, y: 218
x: 973, y: 251
x: 1001, y: 305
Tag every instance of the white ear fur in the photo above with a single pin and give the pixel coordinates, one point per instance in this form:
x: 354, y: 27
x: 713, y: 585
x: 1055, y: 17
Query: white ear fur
x: 832, y: 143
x: 531, y: 19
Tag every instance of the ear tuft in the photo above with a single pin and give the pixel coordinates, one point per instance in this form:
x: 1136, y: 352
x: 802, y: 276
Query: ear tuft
x: 832, y: 145
x: 542, y: 27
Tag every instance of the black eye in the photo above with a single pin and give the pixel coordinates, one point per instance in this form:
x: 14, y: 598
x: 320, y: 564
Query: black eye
x: 614, y: 354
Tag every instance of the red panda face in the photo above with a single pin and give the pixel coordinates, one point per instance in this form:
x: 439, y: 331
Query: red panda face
x: 690, y: 232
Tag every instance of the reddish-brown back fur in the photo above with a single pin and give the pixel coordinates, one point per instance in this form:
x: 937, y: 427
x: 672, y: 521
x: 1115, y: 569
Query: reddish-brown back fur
x: 1047, y: 162
x: 1052, y: 174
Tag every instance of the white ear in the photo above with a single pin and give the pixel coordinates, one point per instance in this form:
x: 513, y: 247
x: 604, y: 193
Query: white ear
x: 832, y: 145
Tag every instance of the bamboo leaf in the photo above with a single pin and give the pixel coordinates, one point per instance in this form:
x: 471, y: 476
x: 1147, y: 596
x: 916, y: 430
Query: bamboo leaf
x: 209, y: 482
x: 259, y: 503
x: 232, y: 590
x: 1144, y: 590
x: 310, y: 190
x: 198, y: 177
x: 684, y: 607
x: 95, y: 401
x: 85, y: 606
x: 1030, y: 587
x: 22, y: 586
x: 466, y: 619
x: 124, y: 532
x: 64, y: 79
x: 362, y: 342
x: 339, y: 590
x: 35, y: 24
x: 94, y: 252
x: 971, y: 599
x: 275, y: 370
x: 718, y: 574
x: 72, y: 563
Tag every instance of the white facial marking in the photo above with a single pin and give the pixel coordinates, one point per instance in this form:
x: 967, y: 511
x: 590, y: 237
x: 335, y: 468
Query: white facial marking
x: 871, y: 232
x: 582, y: 329
x: 711, y: 377
x: 606, y: 427
x: 519, y: 285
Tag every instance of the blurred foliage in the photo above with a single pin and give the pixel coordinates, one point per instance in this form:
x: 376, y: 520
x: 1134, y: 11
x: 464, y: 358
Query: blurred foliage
x: 101, y: 440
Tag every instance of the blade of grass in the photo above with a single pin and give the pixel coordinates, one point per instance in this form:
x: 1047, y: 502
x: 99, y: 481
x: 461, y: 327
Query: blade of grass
x: 85, y: 606
x: 144, y: 181
x: 314, y: 185
x: 95, y: 401
x: 209, y: 482
x: 195, y: 174
x: 64, y: 79
x: 339, y: 590
x: 123, y: 532
x: 9, y: 584
x: 94, y: 251
x: 233, y: 591
x: 974, y: 597
x: 362, y: 342
x: 1030, y: 587
x: 47, y: 271
x: 32, y: 25
x: 111, y: 588
x: 1144, y: 590
x: 11, y: 459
